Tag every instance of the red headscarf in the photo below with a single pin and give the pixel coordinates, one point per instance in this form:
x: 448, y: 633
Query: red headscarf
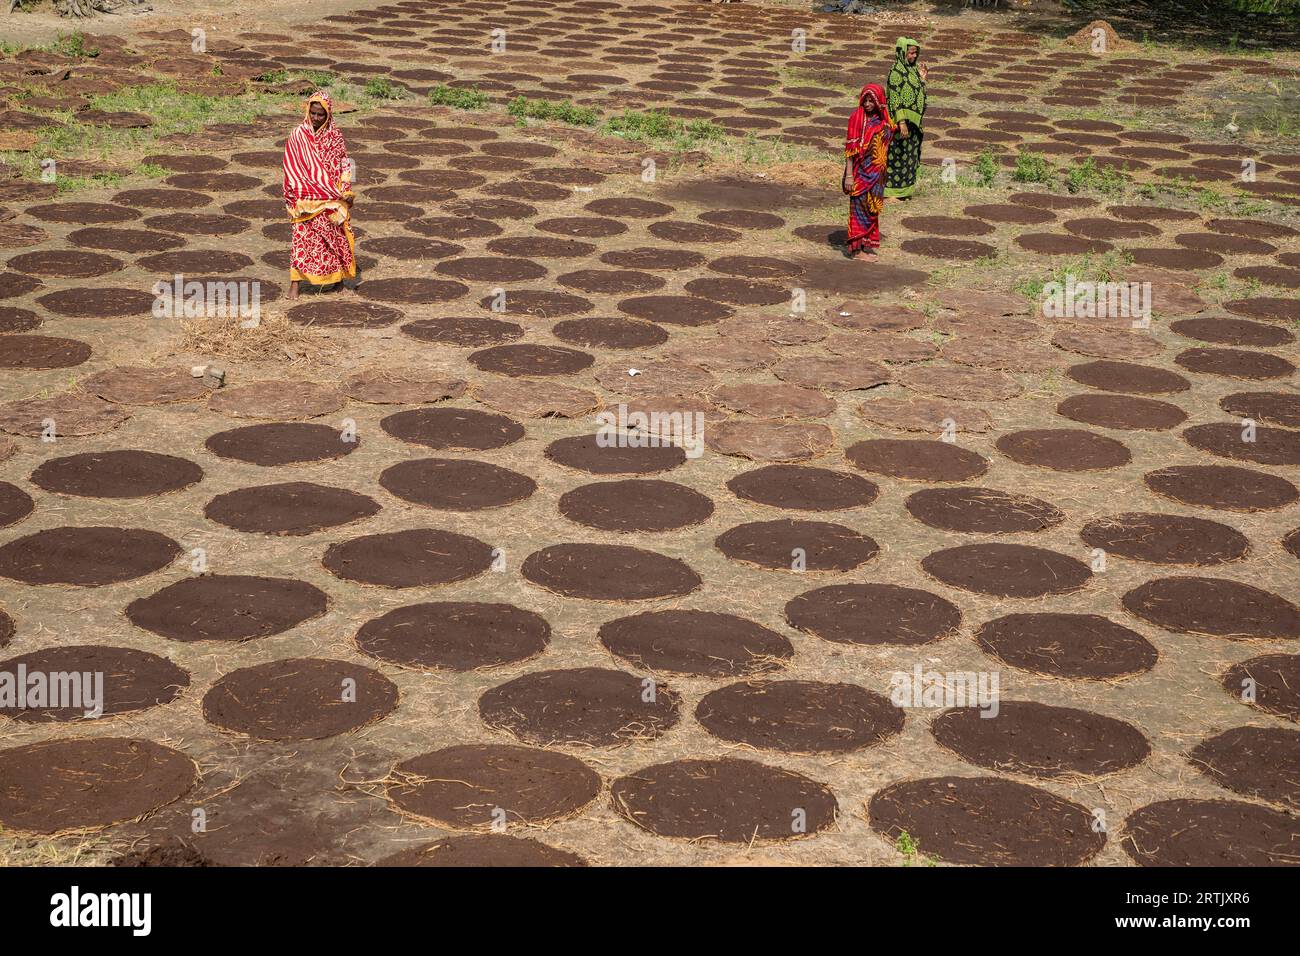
x: 863, y: 126
x: 314, y: 158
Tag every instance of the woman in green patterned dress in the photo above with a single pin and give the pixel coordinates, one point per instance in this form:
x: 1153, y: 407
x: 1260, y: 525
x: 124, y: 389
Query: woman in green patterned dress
x: 906, y: 92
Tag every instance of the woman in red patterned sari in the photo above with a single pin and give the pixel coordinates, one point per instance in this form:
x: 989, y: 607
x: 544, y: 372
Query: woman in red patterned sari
x: 866, y: 152
x: 318, y: 194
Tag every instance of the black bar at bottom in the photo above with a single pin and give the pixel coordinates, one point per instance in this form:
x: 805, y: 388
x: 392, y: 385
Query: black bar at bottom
x: 348, y: 905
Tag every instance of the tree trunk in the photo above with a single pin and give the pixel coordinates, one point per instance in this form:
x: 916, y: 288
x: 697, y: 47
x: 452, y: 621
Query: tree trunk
x: 86, y: 8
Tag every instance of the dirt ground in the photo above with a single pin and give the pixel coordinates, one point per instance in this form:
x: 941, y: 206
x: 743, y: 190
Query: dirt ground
x: 1092, y: 767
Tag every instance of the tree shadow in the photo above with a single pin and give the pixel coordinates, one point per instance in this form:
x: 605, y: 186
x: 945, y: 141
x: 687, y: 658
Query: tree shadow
x: 1244, y: 25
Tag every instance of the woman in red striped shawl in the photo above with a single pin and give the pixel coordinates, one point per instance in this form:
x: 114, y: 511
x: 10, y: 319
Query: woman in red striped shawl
x: 866, y: 151
x: 318, y: 195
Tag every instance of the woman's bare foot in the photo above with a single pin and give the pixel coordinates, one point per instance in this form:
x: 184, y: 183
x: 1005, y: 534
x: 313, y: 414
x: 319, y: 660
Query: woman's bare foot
x: 866, y: 257
x: 293, y: 289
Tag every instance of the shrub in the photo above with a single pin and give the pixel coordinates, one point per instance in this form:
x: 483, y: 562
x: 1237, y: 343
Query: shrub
x: 1032, y: 168
x: 471, y: 99
x: 564, y: 112
x: 986, y: 167
x: 1088, y: 175
x: 382, y: 88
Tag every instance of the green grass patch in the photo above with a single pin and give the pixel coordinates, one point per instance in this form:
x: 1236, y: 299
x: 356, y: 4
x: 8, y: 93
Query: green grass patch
x: 1218, y: 282
x: 1205, y: 197
x: 1225, y: 286
x: 457, y: 98
x: 1090, y: 267
x: 322, y: 78
x: 1088, y: 175
x: 749, y: 150
x: 73, y: 44
x: 1212, y: 199
x: 1249, y: 207
x: 172, y: 111
x: 382, y: 88
x: 68, y: 184
x: 656, y: 126
x: 67, y: 44
x: 566, y: 111
x: 1109, y: 114
x: 1030, y: 288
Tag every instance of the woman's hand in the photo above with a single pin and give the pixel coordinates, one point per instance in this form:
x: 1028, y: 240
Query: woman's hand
x: 349, y: 198
x: 902, y: 128
x: 924, y: 71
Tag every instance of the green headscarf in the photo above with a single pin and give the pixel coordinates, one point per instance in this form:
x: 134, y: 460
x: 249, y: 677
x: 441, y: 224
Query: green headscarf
x: 906, y: 89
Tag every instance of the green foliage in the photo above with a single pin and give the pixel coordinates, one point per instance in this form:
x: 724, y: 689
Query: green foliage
x: 171, y: 110
x: 751, y: 151
x: 175, y: 111
x: 1089, y: 267
x: 911, y: 851
x: 319, y: 77
x: 1249, y: 207
x: 986, y: 167
x: 648, y: 124
x: 566, y: 111
x: 1030, y: 288
x: 905, y: 844
x: 1092, y: 268
x: 1033, y: 168
x: 656, y: 125
x: 1212, y: 199
x: 1088, y: 175
x: 73, y: 44
x: 457, y: 98
x: 382, y: 88
x: 701, y: 129
x: 67, y: 184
